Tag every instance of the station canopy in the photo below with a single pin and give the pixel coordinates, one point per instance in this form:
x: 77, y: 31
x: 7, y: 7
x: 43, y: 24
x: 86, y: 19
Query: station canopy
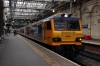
x: 29, y: 9
x: 33, y: 9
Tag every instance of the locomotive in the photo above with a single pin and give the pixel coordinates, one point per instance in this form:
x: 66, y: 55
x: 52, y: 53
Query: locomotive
x: 62, y: 32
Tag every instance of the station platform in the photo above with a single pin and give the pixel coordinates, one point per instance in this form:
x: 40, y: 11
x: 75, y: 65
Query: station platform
x: 92, y: 41
x: 20, y: 51
x: 92, y: 45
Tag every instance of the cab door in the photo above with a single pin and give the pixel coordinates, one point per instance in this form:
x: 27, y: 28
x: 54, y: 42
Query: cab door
x: 47, y: 32
x: 44, y: 32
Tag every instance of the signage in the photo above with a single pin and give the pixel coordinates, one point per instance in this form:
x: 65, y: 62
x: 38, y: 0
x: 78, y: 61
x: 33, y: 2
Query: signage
x: 99, y: 21
x: 85, y: 26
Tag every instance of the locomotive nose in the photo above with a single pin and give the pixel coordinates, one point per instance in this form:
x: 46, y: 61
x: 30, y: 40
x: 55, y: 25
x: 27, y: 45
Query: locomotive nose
x: 68, y: 36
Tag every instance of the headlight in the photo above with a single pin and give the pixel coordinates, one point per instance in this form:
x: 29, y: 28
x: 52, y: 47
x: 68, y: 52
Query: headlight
x: 56, y: 39
x: 78, y: 39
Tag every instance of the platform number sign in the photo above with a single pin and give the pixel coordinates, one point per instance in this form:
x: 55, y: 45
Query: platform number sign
x: 99, y: 21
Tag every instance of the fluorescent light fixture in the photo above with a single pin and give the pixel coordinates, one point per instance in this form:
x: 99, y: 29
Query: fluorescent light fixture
x: 74, y: 0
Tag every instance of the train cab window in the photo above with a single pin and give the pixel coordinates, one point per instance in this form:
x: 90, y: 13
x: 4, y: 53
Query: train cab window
x: 66, y: 24
x: 48, y: 25
x: 73, y: 25
x: 60, y: 24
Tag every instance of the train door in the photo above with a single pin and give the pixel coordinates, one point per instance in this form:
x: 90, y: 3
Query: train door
x: 27, y: 30
x: 44, y: 32
x: 48, y: 32
x: 40, y: 31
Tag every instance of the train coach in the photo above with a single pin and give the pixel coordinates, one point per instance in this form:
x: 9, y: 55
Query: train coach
x: 62, y: 32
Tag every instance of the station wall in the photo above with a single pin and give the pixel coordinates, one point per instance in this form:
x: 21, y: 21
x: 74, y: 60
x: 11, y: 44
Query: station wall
x: 90, y: 18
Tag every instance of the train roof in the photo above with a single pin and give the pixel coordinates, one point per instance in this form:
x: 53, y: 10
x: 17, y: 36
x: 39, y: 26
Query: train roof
x: 56, y: 16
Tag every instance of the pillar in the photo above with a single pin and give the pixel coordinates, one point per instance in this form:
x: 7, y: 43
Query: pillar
x: 1, y: 18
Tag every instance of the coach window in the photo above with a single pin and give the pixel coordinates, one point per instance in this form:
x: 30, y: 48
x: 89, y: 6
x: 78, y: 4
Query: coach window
x: 39, y: 28
x: 48, y: 25
x: 35, y: 29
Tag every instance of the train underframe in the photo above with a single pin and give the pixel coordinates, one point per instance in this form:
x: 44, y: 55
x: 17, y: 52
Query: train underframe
x: 68, y: 50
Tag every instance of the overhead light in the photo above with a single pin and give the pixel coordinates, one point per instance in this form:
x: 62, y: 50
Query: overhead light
x: 13, y: 21
x: 53, y: 10
x: 74, y: 0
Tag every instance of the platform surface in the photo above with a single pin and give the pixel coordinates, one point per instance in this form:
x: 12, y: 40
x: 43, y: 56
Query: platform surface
x: 20, y: 51
x: 92, y: 41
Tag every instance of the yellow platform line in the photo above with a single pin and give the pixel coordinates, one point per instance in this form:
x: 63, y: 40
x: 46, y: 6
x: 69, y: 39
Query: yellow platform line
x: 44, y: 56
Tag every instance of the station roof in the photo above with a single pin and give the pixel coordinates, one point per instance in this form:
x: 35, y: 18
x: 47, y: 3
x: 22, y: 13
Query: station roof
x: 28, y: 9
x: 33, y: 9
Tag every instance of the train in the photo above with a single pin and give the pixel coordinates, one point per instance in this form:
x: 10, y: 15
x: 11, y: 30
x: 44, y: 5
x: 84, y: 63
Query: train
x: 62, y: 32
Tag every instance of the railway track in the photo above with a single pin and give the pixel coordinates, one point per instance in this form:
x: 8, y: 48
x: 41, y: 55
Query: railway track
x: 88, y: 59
x: 91, y: 55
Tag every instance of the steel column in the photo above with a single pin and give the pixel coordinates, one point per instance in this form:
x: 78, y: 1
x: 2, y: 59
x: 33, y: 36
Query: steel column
x: 70, y: 6
x: 10, y: 19
x: 80, y: 9
x: 1, y: 18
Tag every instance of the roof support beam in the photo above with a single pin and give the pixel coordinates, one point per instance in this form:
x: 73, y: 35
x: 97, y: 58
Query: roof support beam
x: 10, y: 5
x: 31, y: 8
x: 24, y: 12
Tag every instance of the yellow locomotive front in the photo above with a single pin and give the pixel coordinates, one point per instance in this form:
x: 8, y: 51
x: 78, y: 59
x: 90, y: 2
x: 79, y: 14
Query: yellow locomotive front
x: 67, y: 34
x: 66, y: 31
